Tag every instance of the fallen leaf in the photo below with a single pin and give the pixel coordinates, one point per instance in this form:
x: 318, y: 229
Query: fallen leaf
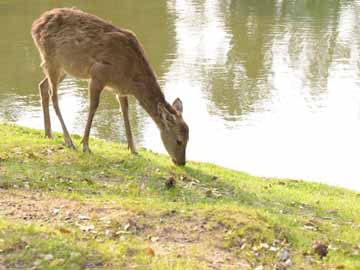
x: 83, y: 217
x: 122, y: 232
x: 150, y: 251
x: 3, y: 157
x: 75, y: 254
x: 87, y: 228
x: 64, y: 230
x: 127, y: 226
x: 57, y: 262
x: 310, y: 227
x: 154, y: 239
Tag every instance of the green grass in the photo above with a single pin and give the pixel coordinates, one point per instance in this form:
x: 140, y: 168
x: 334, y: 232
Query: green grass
x: 63, y: 209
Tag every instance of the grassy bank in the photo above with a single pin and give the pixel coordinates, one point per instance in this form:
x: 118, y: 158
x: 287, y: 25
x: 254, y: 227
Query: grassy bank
x: 62, y: 209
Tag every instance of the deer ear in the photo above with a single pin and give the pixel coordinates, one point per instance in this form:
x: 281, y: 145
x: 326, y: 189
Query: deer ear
x: 166, y: 117
x: 178, y: 106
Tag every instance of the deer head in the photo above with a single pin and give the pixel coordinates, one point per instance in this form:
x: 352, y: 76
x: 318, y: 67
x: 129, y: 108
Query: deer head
x: 174, y: 131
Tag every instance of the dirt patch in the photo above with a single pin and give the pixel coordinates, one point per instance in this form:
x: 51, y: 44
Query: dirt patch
x: 37, y: 207
x: 171, y: 232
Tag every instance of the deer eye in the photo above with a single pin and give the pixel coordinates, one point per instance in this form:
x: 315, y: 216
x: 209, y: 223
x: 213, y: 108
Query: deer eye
x: 178, y: 142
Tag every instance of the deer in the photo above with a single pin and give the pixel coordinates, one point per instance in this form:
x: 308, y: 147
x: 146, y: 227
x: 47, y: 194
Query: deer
x: 85, y: 46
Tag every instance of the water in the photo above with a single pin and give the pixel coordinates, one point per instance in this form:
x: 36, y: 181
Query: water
x: 269, y: 87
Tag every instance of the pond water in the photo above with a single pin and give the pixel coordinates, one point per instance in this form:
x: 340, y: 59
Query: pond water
x: 269, y: 87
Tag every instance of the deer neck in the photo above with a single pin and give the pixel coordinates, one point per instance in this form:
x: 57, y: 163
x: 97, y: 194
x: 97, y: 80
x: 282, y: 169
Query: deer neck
x: 150, y: 96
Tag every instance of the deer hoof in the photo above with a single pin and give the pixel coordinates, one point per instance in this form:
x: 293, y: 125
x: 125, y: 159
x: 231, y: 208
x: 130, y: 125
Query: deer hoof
x: 132, y: 150
x: 86, y: 149
x: 48, y: 136
x: 70, y: 144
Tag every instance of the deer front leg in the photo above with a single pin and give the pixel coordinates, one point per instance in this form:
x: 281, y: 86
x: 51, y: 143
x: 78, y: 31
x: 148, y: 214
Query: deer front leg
x: 124, y: 104
x: 95, y: 88
x: 45, y: 97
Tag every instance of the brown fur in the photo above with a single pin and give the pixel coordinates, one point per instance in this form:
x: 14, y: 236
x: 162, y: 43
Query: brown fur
x: 85, y: 46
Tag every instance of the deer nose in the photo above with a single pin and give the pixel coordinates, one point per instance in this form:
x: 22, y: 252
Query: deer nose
x: 179, y: 163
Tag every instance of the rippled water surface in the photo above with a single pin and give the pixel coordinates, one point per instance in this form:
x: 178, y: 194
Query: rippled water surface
x: 269, y: 87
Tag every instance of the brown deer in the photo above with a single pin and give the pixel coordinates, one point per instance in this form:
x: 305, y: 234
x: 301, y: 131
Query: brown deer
x: 85, y: 46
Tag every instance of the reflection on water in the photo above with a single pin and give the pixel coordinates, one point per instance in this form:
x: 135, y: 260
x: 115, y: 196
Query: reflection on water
x: 269, y: 87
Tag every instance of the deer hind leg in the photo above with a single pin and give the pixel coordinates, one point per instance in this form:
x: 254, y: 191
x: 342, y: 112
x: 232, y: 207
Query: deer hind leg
x: 44, y: 89
x: 55, y: 76
x: 95, y: 89
x: 124, y: 104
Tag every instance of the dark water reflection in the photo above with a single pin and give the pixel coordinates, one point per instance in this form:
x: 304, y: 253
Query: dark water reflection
x: 270, y: 87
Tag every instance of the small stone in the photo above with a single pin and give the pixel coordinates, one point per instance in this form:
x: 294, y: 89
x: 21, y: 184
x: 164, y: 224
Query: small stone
x: 264, y: 245
x: 36, y: 262
x: 74, y: 255
x: 170, y: 182
x: 48, y: 257
x: 288, y: 262
x: 209, y: 193
x: 320, y: 248
x: 184, y: 178
x: 283, y: 265
x: 284, y: 255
